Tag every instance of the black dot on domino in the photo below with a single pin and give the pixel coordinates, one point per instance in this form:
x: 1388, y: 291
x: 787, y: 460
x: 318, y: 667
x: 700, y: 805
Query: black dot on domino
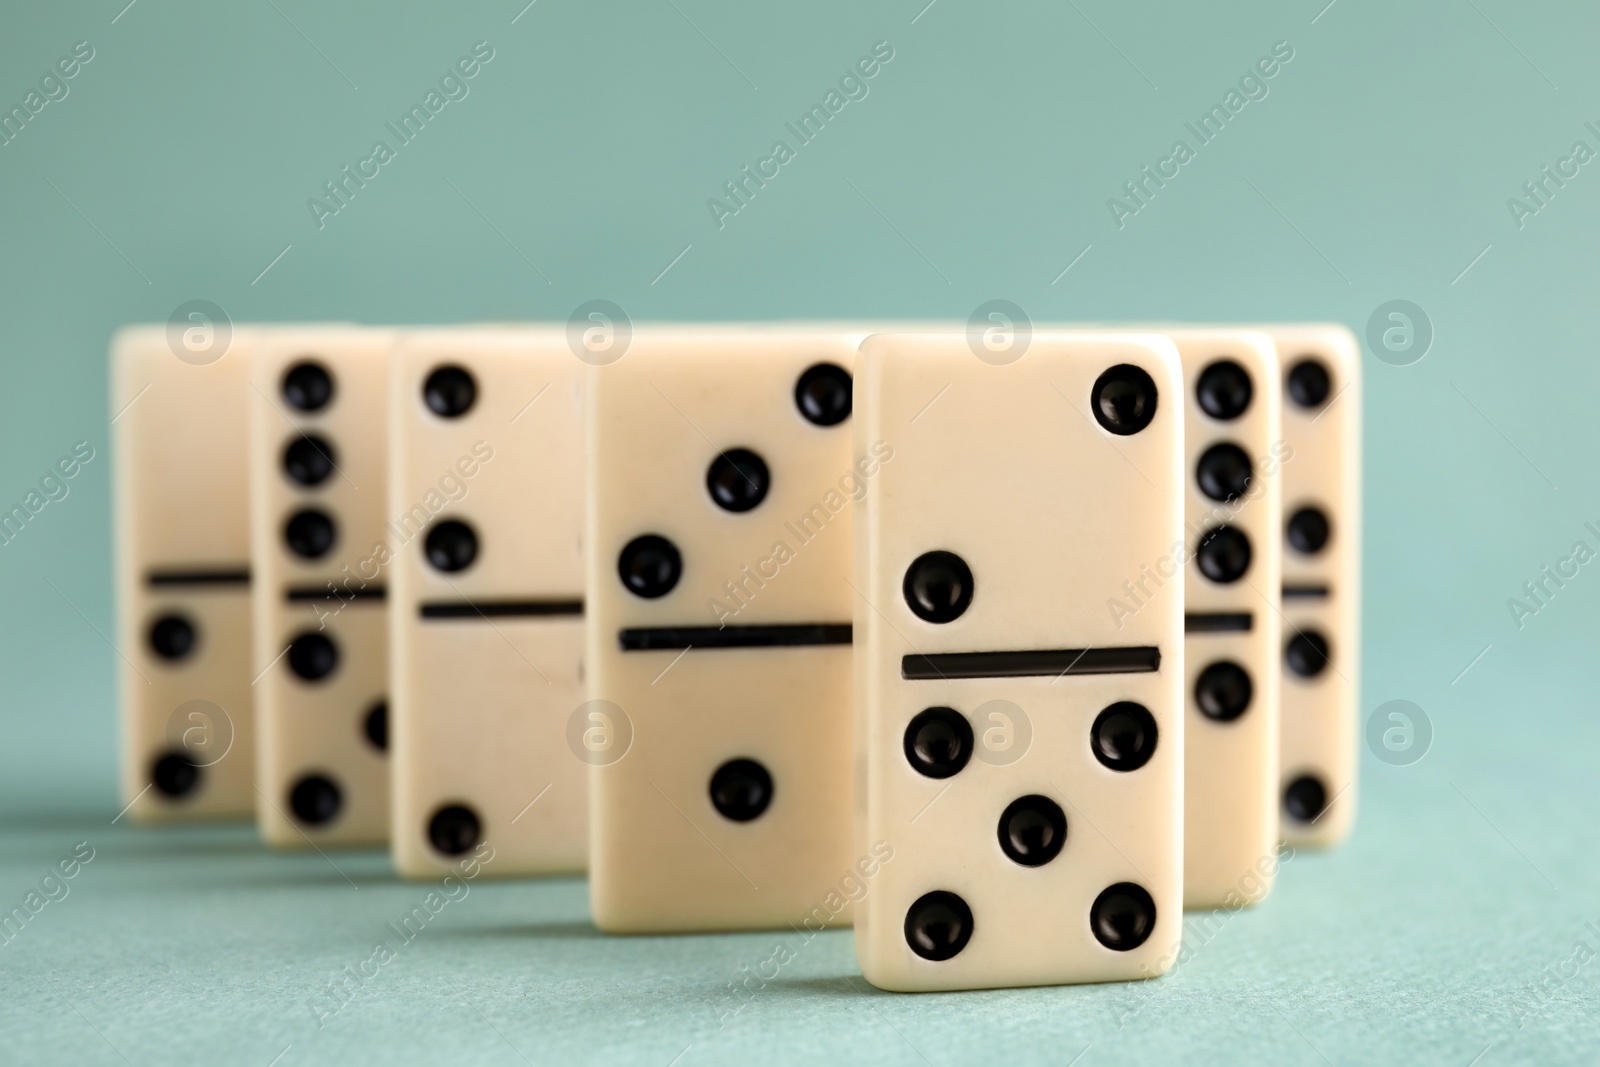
x: 172, y: 637
x: 1224, y: 390
x: 451, y: 545
x: 454, y: 829
x: 1224, y: 472
x: 741, y: 790
x: 1223, y: 554
x: 938, y: 586
x: 649, y: 566
x: 309, y: 533
x: 1123, y: 736
x: 738, y: 480
x: 313, y: 656
x: 938, y: 742
x: 823, y: 394
x: 1309, y: 383
x: 307, y: 386
x: 1223, y: 691
x: 1122, y: 917
x: 1032, y: 830
x: 1307, y: 653
x: 938, y: 925
x: 308, y: 459
x: 1307, y: 530
x: 315, y: 800
x: 449, y: 391
x: 375, y: 726
x: 174, y: 775
x: 1124, y: 400
x: 1305, y: 798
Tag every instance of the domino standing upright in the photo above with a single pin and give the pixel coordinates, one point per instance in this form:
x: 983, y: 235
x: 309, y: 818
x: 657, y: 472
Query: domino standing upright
x: 183, y: 570
x: 319, y: 550
x: 1020, y: 738
x: 720, y: 484
x: 486, y: 600
x: 1233, y: 510
x: 1321, y: 580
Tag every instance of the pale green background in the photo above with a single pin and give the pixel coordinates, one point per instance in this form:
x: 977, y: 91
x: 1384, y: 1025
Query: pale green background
x: 978, y: 168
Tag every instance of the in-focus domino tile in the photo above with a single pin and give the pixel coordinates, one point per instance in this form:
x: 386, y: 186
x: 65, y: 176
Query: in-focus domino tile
x: 1019, y: 740
x: 1232, y: 622
x: 718, y: 590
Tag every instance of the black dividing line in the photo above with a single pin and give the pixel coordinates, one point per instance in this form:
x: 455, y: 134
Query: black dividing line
x: 496, y: 609
x: 1031, y: 663
x: 1218, y: 622
x: 667, y: 638
x: 201, y: 576
x: 1305, y: 592
x: 322, y: 592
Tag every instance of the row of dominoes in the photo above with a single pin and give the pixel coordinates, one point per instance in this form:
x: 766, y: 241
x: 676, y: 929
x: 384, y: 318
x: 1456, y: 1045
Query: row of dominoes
x: 682, y: 612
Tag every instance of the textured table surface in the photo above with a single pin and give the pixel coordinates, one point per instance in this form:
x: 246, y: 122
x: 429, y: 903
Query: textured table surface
x: 1447, y: 927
